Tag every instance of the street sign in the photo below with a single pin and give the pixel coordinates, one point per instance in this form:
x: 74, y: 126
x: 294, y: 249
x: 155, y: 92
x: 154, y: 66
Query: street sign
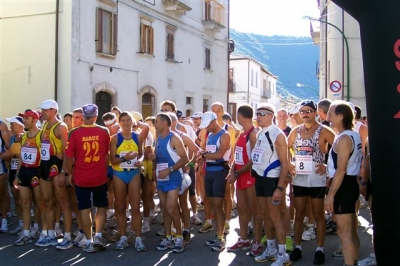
x: 335, y: 86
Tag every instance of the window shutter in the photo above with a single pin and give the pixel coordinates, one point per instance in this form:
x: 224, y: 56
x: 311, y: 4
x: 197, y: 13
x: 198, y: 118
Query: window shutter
x: 142, y: 37
x: 172, y: 46
x: 99, y: 31
x: 151, y: 41
x: 208, y: 64
x: 115, y: 35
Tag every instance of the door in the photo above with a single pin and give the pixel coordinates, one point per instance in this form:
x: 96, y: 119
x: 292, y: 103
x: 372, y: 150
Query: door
x: 104, y: 102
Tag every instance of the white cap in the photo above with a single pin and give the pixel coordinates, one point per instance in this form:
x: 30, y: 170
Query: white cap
x: 207, y: 118
x: 197, y: 115
x: 16, y: 119
x: 353, y: 108
x: 49, y: 104
x: 295, y: 109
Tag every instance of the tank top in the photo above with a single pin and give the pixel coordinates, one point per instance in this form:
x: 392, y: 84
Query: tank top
x: 167, y: 157
x: 307, y: 155
x: 15, y: 149
x: 354, y: 164
x: 51, y: 145
x: 212, y: 146
x: 125, y: 146
x: 242, y: 149
x: 30, y: 147
x: 265, y: 159
x: 358, y: 126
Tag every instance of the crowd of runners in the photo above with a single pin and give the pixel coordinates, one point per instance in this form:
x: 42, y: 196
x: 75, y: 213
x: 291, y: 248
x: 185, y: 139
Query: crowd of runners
x: 62, y: 169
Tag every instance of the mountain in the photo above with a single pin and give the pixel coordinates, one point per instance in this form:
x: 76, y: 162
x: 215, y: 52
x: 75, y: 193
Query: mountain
x: 292, y: 59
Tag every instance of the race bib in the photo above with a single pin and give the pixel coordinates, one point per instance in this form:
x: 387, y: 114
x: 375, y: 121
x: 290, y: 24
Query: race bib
x: 239, y: 155
x: 160, y: 167
x: 256, y: 156
x: 128, y: 164
x: 304, y: 164
x: 28, y: 155
x: 211, y: 148
x: 45, y: 151
x: 14, y: 164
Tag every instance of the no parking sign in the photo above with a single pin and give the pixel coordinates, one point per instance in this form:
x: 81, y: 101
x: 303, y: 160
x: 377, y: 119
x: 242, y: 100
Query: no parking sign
x: 336, y: 87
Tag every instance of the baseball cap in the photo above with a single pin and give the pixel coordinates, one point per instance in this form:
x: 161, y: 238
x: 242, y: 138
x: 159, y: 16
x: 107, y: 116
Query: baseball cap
x: 30, y: 113
x: 16, y: 119
x: 197, y: 115
x: 295, y: 109
x: 90, y: 110
x: 309, y: 103
x: 353, y: 108
x: 179, y: 113
x: 207, y: 118
x: 137, y: 116
x: 49, y: 104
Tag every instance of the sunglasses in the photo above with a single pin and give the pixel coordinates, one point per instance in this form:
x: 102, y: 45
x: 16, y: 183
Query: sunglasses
x: 263, y: 113
x: 306, y: 111
x: 165, y: 110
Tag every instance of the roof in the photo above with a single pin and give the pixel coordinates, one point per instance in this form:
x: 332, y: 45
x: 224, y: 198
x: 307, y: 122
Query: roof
x: 245, y: 57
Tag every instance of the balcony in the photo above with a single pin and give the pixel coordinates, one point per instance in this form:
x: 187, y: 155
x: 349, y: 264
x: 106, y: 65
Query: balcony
x: 315, y: 35
x: 214, y: 15
x: 176, y: 7
x: 266, y: 94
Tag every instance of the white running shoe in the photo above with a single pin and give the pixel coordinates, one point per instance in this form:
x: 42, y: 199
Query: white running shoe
x: 34, y: 233
x: 79, y: 241
x: 282, y: 260
x: 145, y: 227
x: 308, y: 234
x: 368, y: 261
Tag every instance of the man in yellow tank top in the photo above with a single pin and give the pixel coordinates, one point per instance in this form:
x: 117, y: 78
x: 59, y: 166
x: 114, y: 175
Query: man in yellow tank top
x: 52, y: 183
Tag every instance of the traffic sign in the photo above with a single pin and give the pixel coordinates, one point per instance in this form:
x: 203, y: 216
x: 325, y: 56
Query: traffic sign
x: 335, y: 86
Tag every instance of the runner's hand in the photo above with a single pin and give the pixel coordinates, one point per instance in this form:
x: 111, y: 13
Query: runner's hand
x: 292, y: 169
x: 320, y: 169
x: 329, y: 204
x: 16, y: 183
x: 231, y: 178
x: 61, y: 179
x: 163, y: 174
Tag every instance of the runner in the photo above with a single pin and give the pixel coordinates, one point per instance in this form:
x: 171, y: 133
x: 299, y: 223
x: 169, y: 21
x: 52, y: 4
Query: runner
x: 87, y: 159
x: 170, y: 156
x: 270, y: 169
x: 27, y: 175
x: 126, y: 158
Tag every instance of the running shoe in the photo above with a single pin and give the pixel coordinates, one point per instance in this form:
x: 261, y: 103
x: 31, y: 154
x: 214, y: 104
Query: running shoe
x: 18, y: 229
x: 89, y: 248
x: 34, y: 233
x: 368, y: 261
x: 65, y: 244
x: 207, y: 227
x: 99, y: 243
x: 122, y: 243
x: 282, y: 260
x: 267, y: 255
x: 196, y: 220
x: 166, y: 244
x: 179, y: 245
x: 139, y: 244
x: 308, y: 234
x: 23, y: 240
x: 240, y: 245
x: 219, y: 245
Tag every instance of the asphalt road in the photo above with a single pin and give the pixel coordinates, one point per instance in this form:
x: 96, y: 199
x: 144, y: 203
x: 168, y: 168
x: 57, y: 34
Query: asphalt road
x: 196, y: 252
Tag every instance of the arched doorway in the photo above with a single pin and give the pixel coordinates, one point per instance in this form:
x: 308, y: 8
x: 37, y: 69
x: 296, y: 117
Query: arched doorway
x: 147, y: 105
x: 104, y: 102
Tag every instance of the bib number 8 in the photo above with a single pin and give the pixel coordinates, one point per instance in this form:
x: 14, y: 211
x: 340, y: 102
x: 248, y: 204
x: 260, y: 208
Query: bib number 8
x: 301, y: 166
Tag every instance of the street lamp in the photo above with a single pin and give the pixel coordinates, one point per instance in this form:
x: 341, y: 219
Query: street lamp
x: 347, y: 50
x: 302, y: 85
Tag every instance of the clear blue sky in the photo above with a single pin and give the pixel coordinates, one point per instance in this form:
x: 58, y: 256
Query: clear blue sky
x: 273, y: 17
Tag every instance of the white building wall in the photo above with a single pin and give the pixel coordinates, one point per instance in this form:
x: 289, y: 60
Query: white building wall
x: 336, y: 57
x: 27, y: 38
x: 133, y: 72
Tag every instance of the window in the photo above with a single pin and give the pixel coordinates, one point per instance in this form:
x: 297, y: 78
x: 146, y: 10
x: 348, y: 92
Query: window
x: 208, y: 58
x: 146, y: 37
x: 232, y: 109
x: 205, y: 105
x: 170, y: 45
x: 189, y: 100
x: 106, y: 32
x: 256, y: 79
x: 252, y: 77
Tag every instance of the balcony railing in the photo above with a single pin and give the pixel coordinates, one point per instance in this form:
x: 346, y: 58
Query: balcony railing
x: 214, y: 14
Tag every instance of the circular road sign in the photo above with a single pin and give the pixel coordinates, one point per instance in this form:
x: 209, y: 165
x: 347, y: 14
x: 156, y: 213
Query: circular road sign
x: 335, y: 86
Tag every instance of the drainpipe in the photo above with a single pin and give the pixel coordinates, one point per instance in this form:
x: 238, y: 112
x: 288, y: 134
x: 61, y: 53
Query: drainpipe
x: 56, y: 53
x: 248, y: 81
x: 343, y: 56
x: 229, y: 65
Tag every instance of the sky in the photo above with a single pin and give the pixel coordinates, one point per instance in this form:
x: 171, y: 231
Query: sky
x: 273, y: 17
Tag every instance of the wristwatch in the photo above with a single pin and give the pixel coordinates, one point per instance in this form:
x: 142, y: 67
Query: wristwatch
x: 280, y: 188
x: 123, y: 159
x: 171, y: 169
x: 362, y: 183
x: 236, y: 174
